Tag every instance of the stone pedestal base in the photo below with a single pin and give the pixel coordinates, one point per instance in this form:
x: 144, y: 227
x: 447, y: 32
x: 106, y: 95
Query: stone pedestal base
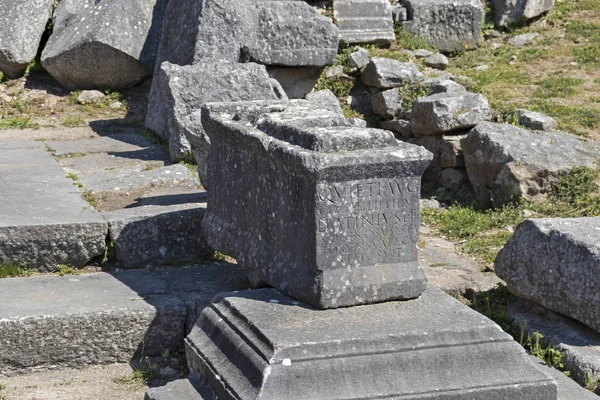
x: 261, y: 344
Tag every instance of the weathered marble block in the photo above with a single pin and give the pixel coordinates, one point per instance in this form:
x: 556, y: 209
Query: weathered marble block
x: 324, y: 211
x: 260, y: 344
x: 364, y: 21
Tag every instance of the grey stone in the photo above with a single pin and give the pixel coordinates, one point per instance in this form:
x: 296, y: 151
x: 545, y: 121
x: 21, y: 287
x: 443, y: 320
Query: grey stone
x: 448, y: 112
x: 90, y: 97
x: 179, y: 90
x: 453, y: 178
x: 359, y: 59
x: 556, y: 262
x: 567, y: 388
x: 433, y: 144
x: 189, y: 388
x: 160, y: 234
x: 422, y: 53
x: 447, y: 26
x: 104, y: 45
x: 510, y: 11
x: 400, y: 126
x: 301, y: 174
x: 364, y: 21
x: 145, y: 159
x: 399, y: 13
x: 429, y: 203
x: 334, y: 71
x: 438, y: 61
x: 116, y: 104
x: 432, y: 347
x: 387, y: 103
x: 442, y: 85
x: 102, y: 318
x: 482, y: 68
x: 214, y: 29
x: 385, y: 73
x: 451, y: 272
x: 522, y: 40
x: 22, y: 23
x: 44, y: 221
x: 536, y: 121
x: 297, y: 82
x: 325, y: 99
x: 293, y: 34
x: 126, y: 143
x: 451, y: 154
x: 357, y: 122
x: 506, y: 163
x: 579, y: 344
x: 135, y: 179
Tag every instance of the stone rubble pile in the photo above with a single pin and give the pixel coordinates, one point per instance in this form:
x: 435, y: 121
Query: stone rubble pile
x: 503, y: 163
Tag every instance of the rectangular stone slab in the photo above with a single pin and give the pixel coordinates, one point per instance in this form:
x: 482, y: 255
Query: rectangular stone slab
x: 364, y: 21
x: 325, y: 212
x: 261, y: 344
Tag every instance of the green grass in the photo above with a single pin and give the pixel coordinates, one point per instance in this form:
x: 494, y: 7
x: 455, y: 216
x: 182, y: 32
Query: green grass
x: 569, y: 117
x: 558, y: 87
x: 192, y: 167
x: 88, y: 195
x: 587, y: 55
x: 11, y: 269
x: 73, y: 122
x: 406, y: 40
x: 64, y: 269
x: 482, y: 233
x: 17, y: 122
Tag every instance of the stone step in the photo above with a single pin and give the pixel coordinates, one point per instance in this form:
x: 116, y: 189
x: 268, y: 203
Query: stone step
x: 51, y: 322
x: 163, y: 227
x: 44, y: 221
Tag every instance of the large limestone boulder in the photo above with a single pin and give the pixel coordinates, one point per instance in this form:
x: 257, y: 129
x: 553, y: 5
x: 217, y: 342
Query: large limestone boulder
x: 448, y: 26
x: 22, y: 23
x: 195, y: 30
x: 179, y: 91
x: 556, y: 263
x: 448, y: 112
x: 506, y: 163
x: 510, y: 11
x: 283, y: 33
x: 103, y: 44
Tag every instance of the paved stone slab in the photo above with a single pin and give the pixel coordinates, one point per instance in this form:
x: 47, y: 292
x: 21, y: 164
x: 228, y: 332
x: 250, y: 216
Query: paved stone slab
x: 136, y: 178
x: 580, y: 344
x: 432, y: 347
x: 556, y: 263
x: 364, y: 21
x: 448, y: 26
x: 324, y: 211
x: 117, y: 143
x: 146, y: 158
x: 50, y: 322
x: 44, y: 221
x: 22, y: 23
x: 167, y: 232
x: 506, y: 163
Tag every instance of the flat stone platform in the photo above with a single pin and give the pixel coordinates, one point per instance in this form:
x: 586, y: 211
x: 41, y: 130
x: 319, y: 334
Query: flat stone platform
x: 49, y: 322
x: 263, y: 344
x: 44, y: 221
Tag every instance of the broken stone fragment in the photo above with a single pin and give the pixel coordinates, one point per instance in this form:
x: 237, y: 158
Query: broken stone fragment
x: 536, y: 121
x: 448, y: 112
x: 506, y: 163
x: 385, y: 73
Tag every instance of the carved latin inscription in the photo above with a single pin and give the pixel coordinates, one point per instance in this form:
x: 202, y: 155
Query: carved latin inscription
x: 367, y: 222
